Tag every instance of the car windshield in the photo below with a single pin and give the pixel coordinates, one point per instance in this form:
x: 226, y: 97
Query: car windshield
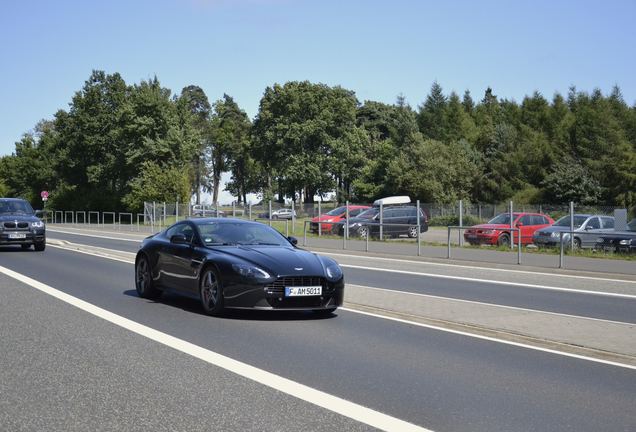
x: 502, y: 219
x: 226, y: 233
x: 565, y: 221
x: 15, y: 207
x: 337, y: 211
x: 369, y: 214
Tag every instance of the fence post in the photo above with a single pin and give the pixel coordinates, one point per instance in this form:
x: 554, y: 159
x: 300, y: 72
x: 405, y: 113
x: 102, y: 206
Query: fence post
x: 154, y: 216
x: 512, y: 225
x: 419, y: 250
x: 250, y: 210
x: 461, y: 222
x: 571, y: 225
x: 305, y: 233
x: 479, y: 213
x: 346, y: 227
x: 176, y: 211
x: 233, y: 209
x: 519, y: 247
x: 448, y: 251
x: 286, y: 227
x: 561, y: 251
x: 319, y: 218
x: 164, y: 212
x: 381, y: 221
x: 269, y: 214
x: 293, y: 218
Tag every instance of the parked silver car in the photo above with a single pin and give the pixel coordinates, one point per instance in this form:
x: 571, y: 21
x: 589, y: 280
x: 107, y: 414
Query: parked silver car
x: 586, y: 229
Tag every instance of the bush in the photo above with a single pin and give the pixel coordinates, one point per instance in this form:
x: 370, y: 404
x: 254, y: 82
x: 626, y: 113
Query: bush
x: 453, y: 220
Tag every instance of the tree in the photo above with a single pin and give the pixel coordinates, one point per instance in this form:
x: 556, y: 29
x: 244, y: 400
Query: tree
x: 431, y: 115
x: 197, y: 103
x: 158, y: 183
x: 570, y: 181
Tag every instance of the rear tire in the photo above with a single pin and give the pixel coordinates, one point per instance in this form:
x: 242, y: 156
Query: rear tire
x: 577, y: 243
x: 363, y: 232
x: 143, y: 280
x: 211, y: 292
x: 412, y: 232
x: 503, y: 240
x: 40, y: 246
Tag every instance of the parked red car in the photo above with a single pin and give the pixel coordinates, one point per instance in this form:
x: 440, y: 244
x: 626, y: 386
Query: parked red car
x: 497, y: 230
x: 336, y: 215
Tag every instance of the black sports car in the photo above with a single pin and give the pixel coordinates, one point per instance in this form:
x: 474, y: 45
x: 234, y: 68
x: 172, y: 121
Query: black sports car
x: 19, y: 225
x: 233, y: 263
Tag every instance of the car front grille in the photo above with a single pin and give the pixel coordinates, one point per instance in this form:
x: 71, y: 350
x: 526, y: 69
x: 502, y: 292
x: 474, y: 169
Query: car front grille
x: 278, y: 286
x: 19, y: 225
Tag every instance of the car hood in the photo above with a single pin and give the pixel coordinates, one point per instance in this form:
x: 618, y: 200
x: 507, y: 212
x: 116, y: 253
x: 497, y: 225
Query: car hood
x: 491, y: 226
x: 19, y: 218
x: 553, y: 228
x: 282, y: 261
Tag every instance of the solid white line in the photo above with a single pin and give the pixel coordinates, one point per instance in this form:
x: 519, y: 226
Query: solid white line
x: 92, y: 254
x: 305, y: 393
x: 492, y: 304
x: 93, y: 235
x: 491, y: 339
x: 494, y: 282
x: 440, y: 328
x: 557, y: 275
x: 594, y: 278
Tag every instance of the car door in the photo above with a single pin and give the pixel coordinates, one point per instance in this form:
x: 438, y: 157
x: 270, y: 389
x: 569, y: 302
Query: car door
x: 177, y: 257
x: 590, y: 232
x: 527, y: 227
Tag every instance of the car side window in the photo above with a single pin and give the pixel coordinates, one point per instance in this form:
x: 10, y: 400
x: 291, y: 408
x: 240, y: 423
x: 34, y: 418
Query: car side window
x: 526, y: 220
x: 593, y: 223
x: 608, y: 222
x: 389, y: 214
x: 172, y: 231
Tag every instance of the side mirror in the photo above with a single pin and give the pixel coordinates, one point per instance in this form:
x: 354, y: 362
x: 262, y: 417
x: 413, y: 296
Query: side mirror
x: 588, y: 227
x: 178, y: 239
x: 519, y: 225
x: 293, y: 240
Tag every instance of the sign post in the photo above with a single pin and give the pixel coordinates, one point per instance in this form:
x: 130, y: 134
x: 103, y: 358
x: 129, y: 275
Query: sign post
x: 45, y: 197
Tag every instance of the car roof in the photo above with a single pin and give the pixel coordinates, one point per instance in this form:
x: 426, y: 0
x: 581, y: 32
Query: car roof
x: 201, y: 221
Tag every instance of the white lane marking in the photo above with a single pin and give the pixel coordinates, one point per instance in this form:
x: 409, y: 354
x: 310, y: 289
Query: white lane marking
x: 495, y: 282
x: 300, y: 391
x: 492, y: 304
x: 435, y: 327
x: 96, y: 236
x: 92, y: 254
x: 490, y: 339
x: 557, y: 275
x: 594, y: 278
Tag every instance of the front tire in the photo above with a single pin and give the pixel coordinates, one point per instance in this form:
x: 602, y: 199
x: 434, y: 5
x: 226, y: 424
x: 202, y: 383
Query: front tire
x: 363, y: 232
x: 40, y: 246
x: 211, y: 292
x: 577, y: 243
x: 143, y: 280
x: 323, y: 313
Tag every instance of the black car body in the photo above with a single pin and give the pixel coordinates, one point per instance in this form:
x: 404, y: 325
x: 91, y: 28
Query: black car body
x: 619, y: 241
x: 244, y: 264
x: 396, y: 221
x: 19, y: 225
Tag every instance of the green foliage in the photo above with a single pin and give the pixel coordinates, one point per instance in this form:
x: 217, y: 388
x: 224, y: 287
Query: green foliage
x: 157, y: 183
x: 453, y: 220
x: 569, y: 181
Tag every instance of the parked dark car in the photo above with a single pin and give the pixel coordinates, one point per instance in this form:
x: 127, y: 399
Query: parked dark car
x: 586, y: 230
x: 396, y: 220
x: 619, y: 241
x: 233, y: 263
x: 19, y: 225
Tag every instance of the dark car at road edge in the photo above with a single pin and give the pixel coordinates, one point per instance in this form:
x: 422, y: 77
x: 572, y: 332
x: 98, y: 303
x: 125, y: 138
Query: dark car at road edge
x: 19, y: 225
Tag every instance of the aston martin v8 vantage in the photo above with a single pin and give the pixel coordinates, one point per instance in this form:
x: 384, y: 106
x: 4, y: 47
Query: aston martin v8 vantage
x: 233, y: 263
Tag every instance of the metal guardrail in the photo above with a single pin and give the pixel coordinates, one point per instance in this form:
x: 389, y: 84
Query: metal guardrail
x: 460, y: 228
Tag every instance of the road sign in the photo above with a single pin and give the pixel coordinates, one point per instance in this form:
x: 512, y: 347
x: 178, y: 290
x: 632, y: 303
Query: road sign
x: 44, y: 195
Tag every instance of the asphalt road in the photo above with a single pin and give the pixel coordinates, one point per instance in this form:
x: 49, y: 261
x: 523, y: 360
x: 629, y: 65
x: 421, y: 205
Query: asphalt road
x: 578, y: 304
x: 65, y: 369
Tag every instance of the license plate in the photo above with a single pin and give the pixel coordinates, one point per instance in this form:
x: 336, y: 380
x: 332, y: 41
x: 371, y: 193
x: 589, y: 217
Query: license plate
x: 303, y: 291
x: 471, y: 236
x: 17, y: 235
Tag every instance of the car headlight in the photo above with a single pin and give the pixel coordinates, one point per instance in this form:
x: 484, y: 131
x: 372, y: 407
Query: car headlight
x: 252, y: 272
x: 333, y: 272
x: 328, y: 220
x: 38, y: 224
x: 488, y: 231
x: 625, y: 242
x: 554, y: 235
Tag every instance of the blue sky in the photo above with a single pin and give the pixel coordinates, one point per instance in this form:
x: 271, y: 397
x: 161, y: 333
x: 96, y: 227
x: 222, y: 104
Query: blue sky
x: 379, y: 49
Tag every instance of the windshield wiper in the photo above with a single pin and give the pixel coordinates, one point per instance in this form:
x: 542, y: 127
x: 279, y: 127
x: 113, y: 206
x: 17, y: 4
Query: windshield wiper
x: 259, y: 244
x: 221, y: 244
